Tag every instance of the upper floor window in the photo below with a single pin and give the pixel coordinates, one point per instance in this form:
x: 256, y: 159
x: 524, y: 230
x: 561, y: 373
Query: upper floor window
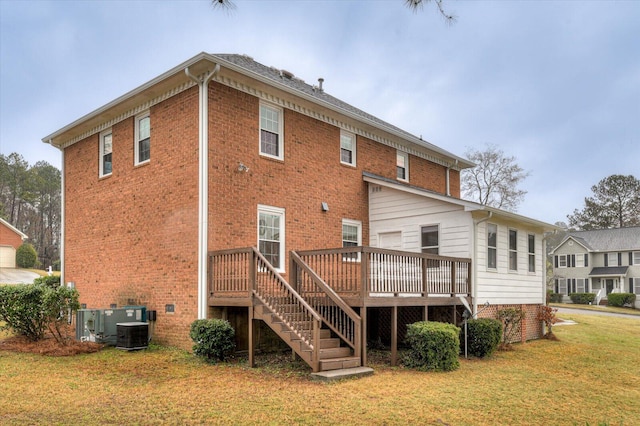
x: 579, y: 259
x: 562, y: 261
x: 532, y: 252
x: 271, y: 235
x: 143, y: 138
x: 106, y: 148
x: 347, y: 148
x: 430, y: 239
x: 492, y: 246
x: 271, y: 140
x: 513, y: 250
x: 612, y: 259
x: 351, y: 237
x: 402, y: 165
x: 636, y: 257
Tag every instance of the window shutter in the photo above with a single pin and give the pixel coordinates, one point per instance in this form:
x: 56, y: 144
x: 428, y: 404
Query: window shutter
x: 630, y: 259
x: 557, y: 288
x: 619, y: 259
x: 556, y: 265
x: 630, y: 285
x: 606, y: 259
x: 586, y: 259
x: 573, y: 260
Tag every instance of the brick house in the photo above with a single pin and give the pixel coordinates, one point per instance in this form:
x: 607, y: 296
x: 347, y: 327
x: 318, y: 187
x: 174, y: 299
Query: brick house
x: 11, y: 239
x: 292, y: 172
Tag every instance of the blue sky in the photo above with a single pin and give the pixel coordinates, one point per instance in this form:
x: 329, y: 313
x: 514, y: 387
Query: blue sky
x: 554, y: 83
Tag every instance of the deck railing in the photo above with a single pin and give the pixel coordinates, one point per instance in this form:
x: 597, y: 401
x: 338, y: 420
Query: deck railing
x: 374, y: 272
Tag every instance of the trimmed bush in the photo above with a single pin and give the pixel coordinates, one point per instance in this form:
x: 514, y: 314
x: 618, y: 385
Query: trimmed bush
x: 621, y: 299
x: 483, y: 336
x: 582, y: 298
x: 434, y: 346
x: 214, y: 339
x: 50, y: 281
x: 30, y: 309
x: 555, y: 297
x: 26, y: 256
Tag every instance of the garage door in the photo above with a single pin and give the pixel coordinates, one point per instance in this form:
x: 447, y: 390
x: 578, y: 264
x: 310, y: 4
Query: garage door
x: 7, y: 257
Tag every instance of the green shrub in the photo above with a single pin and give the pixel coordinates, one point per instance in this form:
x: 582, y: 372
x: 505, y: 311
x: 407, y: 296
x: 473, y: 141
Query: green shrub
x: 483, y: 336
x: 621, y: 299
x: 555, y: 297
x: 49, y: 280
x: 26, y: 256
x: 433, y: 346
x: 582, y: 298
x: 213, y: 339
x: 30, y: 309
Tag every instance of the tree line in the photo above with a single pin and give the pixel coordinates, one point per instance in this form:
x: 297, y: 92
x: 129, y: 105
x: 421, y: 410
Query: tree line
x: 30, y: 197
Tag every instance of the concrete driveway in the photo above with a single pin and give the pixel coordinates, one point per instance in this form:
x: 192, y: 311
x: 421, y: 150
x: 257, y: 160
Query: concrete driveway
x: 16, y: 276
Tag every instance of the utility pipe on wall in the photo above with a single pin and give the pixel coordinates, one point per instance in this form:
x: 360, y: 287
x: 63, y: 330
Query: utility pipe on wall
x: 203, y: 185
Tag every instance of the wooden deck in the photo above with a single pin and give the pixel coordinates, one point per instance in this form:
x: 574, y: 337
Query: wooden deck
x: 316, y: 302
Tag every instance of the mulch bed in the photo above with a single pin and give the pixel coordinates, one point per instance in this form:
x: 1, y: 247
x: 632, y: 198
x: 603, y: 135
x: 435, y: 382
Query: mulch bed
x: 49, y: 346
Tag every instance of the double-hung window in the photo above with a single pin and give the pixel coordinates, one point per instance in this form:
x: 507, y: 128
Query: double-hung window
x: 271, y: 235
x: 636, y: 285
x: 513, y: 250
x: 271, y: 140
x: 612, y: 259
x: 562, y: 261
x: 636, y: 257
x: 402, y: 165
x: 531, y: 244
x: 430, y: 239
x: 106, y: 148
x: 143, y: 138
x: 347, y: 148
x: 492, y: 246
x: 351, y: 237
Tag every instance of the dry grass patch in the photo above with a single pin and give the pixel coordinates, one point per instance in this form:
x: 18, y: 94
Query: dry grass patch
x: 589, y: 376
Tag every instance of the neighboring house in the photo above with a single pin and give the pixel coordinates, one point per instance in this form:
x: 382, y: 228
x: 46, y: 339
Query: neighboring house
x: 10, y: 240
x: 602, y: 262
x: 168, y: 187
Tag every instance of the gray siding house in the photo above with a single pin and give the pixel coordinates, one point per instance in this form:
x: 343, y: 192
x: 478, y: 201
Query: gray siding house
x: 602, y: 262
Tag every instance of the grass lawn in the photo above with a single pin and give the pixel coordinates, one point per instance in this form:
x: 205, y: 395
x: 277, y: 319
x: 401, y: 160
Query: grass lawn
x: 590, y: 376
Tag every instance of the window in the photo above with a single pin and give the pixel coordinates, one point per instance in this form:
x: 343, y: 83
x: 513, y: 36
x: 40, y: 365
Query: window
x: 562, y: 261
x: 106, y: 147
x: 580, y: 285
x: 612, y: 259
x: 513, y: 250
x: 636, y: 285
x: 143, y: 138
x: 579, y: 261
x: 492, y: 246
x: 351, y: 237
x: 636, y: 257
x: 402, y: 165
x: 430, y: 239
x: 347, y: 148
x: 271, y: 235
x: 271, y: 140
x: 562, y: 286
x: 532, y: 252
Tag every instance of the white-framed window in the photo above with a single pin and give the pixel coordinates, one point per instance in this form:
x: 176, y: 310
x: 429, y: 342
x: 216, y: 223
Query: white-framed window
x: 271, y: 235
x: 142, y: 138
x: 106, y: 149
x: 636, y: 285
x: 562, y: 261
x: 513, y: 250
x: 612, y: 259
x: 402, y: 165
x: 430, y: 240
x: 492, y: 246
x: 271, y: 131
x: 580, y: 285
x: 531, y: 248
x: 347, y: 148
x: 636, y: 259
x: 351, y: 237
x: 579, y: 261
x: 562, y: 286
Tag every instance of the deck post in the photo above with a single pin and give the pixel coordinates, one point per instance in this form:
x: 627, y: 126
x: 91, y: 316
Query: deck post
x: 364, y: 272
x: 251, y: 337
x: 394, y: 335
x: 425, y: 316
x: 363, y: 334
x: 453, y: 279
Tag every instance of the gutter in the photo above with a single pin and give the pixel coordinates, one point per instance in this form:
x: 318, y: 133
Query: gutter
x: 203, y: 184
x: 474, y: 278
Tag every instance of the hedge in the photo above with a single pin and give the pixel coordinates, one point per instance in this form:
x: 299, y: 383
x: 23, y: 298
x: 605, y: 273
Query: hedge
x: 433, y: 346
x: 582, y: 298
x: 214, y: 339
x: 483, y: 336
x: 621, y: 299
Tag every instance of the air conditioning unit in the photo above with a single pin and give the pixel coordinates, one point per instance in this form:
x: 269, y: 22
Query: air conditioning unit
x: 100, y: 325
x: 132, y: 335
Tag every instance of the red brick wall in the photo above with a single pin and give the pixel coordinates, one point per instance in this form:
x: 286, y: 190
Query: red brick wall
x: 132, y: 237
x: 8, y: 237
x: 530, y: 328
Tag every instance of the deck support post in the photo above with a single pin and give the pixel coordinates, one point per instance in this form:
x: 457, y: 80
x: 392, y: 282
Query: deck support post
x: 363, y: 345
x: 394, y: 335
x: 425, y: 315
x: 251, y: 336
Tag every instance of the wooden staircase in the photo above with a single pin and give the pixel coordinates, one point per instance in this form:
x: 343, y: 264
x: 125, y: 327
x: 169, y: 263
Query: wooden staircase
x: 296, y: 331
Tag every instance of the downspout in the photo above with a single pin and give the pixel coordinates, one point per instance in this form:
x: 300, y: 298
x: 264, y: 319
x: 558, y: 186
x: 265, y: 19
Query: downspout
x: 474, y: 278
x: 447, y: 181
x: 203, y: 184
x: 62, y: 216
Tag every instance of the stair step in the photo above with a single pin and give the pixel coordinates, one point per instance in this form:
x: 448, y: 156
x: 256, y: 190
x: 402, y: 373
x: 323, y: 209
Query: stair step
x: 332, y: 342
x: 343, y: 373
x: 339, y: 363
x: 339, y: 352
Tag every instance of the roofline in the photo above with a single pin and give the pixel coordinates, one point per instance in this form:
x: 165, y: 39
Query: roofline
x: 567, y: 238
x: 466, y: 204
x: 203, y: 56
x: 14, y: 229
